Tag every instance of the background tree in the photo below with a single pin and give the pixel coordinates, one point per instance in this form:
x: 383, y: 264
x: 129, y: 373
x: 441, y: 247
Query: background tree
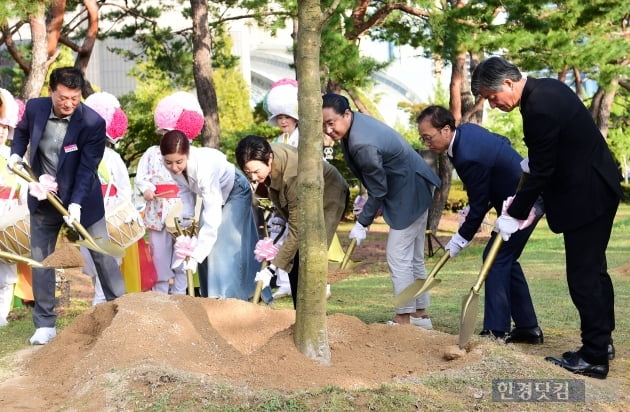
x: 52, y: 24
x: 202, y: 70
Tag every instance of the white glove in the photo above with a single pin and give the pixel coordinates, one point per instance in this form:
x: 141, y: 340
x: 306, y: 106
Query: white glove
x: 190, y: 264
x: 275, y: 225
x: 525, y: 165
x: 522, y: 224
x: 358, y: 232
x: 184, y: 222
x: 265, y: 275
x: 74, y: 211
x: 134, y: 218
x: 456, y: 244
x: 506, y: 225
x: 13, y: 160
x: 358, y: 205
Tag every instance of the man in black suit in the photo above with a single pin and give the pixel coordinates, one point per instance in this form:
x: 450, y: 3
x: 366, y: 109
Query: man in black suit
x: 573, y: 170
x: 66, y: 140
x: 490, y: 169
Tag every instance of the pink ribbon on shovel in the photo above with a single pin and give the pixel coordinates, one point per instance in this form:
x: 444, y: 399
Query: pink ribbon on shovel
x: 47, y: 183
x: 183, y: 248
x: 265, y: 249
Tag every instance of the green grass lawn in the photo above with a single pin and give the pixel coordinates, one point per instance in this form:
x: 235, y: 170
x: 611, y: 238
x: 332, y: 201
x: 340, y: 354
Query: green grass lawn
x: 369, y: 297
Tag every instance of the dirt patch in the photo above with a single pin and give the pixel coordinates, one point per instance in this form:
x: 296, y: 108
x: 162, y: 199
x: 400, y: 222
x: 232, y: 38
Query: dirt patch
x: 142, y: 343
x: 623, y: 270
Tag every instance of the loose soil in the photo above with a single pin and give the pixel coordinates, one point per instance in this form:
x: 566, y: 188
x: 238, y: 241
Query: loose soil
x: 144, y: 342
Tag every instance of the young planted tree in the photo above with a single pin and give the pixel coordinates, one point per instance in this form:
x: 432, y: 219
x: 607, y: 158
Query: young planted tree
x: 311, y: 337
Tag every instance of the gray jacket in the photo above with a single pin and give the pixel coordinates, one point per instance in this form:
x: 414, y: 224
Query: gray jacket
x: 398, y: 180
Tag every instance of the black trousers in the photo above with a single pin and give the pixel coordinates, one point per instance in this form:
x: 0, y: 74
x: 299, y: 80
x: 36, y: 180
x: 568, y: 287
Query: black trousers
x: 293, y: 277
x: 590, y: 285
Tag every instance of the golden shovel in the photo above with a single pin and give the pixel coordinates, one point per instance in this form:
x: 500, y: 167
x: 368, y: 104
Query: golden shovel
x: 100, y: 245
x: 349, y: 251
x: 190, y: 231
x: 17, y: 258
x: 470, y: 302
x: 259, y: 284
x: 419, y: 286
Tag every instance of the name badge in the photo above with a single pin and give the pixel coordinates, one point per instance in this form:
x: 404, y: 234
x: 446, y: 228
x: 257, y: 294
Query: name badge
x: 70, y: 148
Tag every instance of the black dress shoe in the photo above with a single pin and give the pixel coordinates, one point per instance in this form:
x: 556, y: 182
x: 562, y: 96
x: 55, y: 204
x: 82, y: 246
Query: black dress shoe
x: 533, y: 336
x: 611, y: 352
x: 496, y: 334
x: 579, y: 366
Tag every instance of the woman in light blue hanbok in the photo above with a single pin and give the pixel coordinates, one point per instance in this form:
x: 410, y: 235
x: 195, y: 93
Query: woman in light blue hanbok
x: 227, y: 232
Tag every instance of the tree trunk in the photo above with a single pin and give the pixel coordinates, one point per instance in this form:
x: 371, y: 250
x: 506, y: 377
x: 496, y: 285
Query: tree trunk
x: 36, y: 76
x: 311, y: 335
x: 85, y: 51
x: 358, y: 102
x: 602, y: 102
x: 202, y: 72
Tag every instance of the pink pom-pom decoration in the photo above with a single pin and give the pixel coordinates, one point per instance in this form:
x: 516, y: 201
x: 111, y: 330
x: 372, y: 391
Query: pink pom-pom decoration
x: 265, y: 249
x: 108, y: 107
x: 285, y: 81
x: 179, y: 111
x: 118, y: 126
x: 190, y: 123
x: 183, y: 248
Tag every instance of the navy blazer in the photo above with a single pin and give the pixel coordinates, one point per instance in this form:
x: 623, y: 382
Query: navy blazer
x: 79, y: 156
x: 570, y: 163
x: 489, y: 168
x: 398, y: 180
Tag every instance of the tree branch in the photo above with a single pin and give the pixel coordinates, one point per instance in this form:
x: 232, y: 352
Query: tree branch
x: 13, y: 49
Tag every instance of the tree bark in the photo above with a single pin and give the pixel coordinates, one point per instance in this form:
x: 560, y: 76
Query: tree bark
x: 602, y: 103
x: 85, y: 51
x: 40, y: 62
x: 311, y: 335
x: 202, y: 72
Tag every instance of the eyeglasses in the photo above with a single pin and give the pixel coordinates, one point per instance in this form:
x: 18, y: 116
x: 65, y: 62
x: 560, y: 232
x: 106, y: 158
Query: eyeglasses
x: 427, y: 139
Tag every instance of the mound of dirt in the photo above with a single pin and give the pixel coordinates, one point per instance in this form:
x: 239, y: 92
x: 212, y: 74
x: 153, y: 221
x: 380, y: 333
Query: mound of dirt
x: 228, y: 341
x: 142, y: 342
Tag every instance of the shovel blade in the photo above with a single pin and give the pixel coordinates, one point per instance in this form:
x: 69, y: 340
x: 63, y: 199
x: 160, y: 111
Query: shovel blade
x: 468, y: 320
x: 409, y: 293
x: 17, y: 258
x: 103, y: 246
x: 337, y: 265
x: 420, y: 286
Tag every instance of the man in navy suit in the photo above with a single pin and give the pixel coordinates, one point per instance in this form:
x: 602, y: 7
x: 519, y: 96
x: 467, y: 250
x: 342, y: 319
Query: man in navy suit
x: 398, y: 182
x: 573, y: 170
x: 66, y: 140
x: 490, y: 170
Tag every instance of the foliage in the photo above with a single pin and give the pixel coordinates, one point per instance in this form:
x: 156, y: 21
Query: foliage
x: 141, y: 133
x: 233, y: 97
x: 509, y: 125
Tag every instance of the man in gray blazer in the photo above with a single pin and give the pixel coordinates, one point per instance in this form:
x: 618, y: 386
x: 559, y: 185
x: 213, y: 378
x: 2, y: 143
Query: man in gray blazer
x: 399, y: 183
